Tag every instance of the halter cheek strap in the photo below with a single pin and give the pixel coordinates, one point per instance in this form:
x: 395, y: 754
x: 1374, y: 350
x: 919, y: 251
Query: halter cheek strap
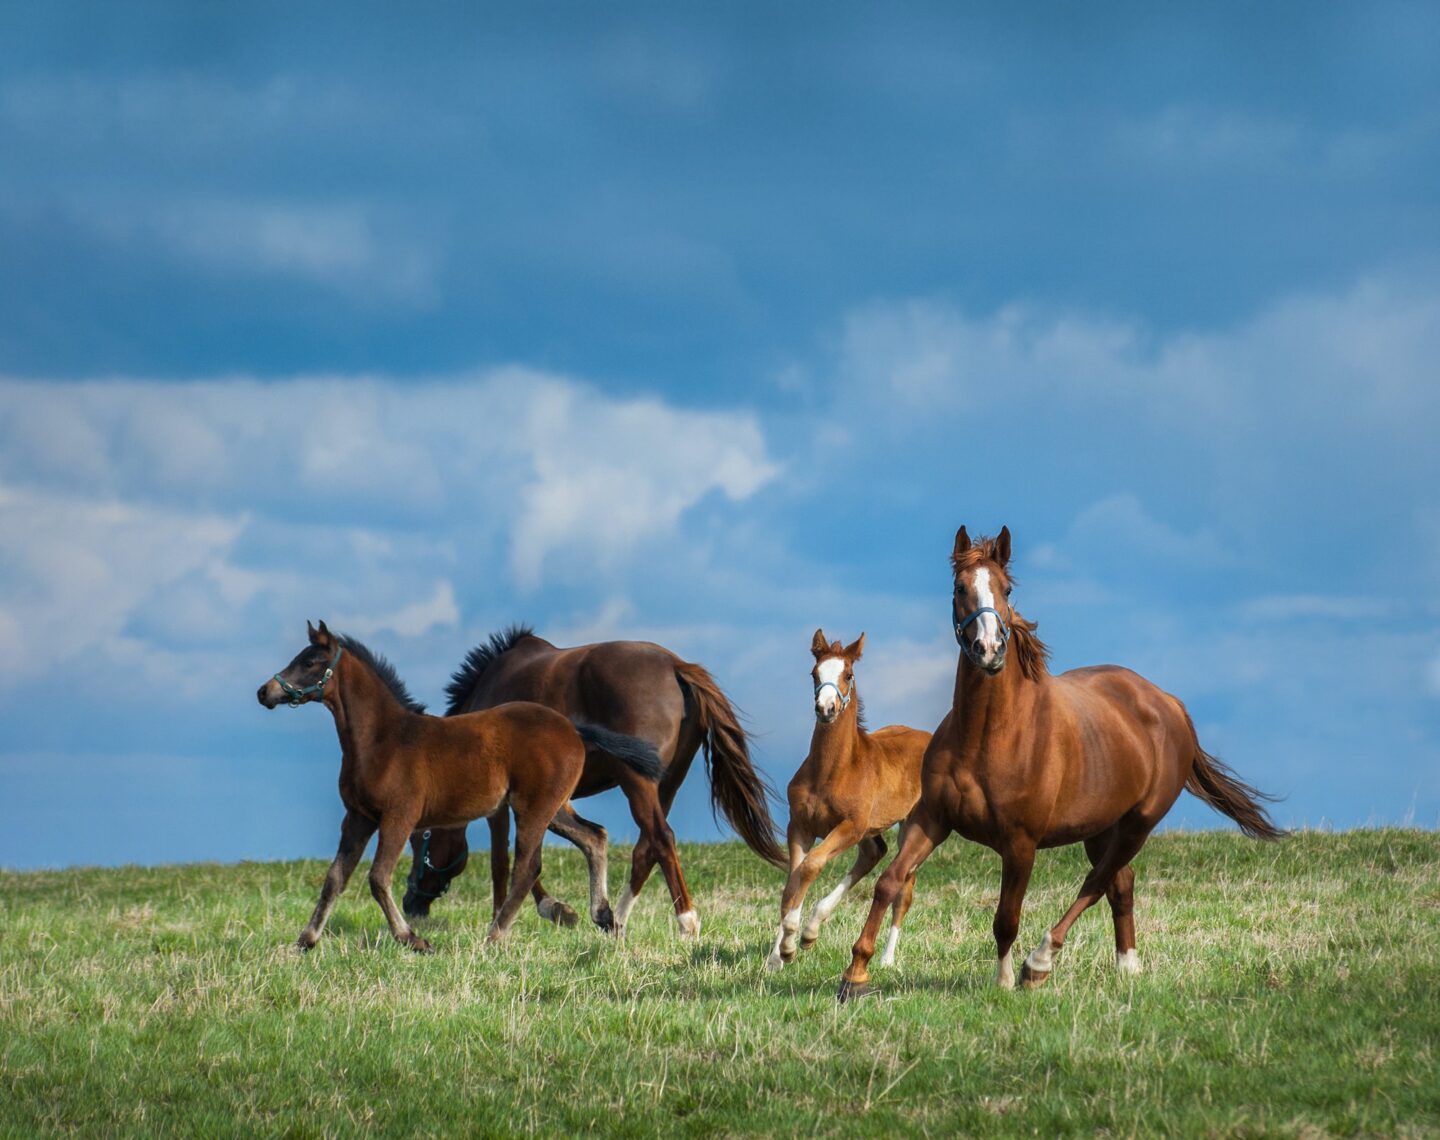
x: 298, y: 695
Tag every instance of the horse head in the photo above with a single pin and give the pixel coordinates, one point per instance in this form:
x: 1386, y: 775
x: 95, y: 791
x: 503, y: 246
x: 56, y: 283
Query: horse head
x: 834, y: 675
x: 981, y: 605
x: 305, y: 678
x: 440, y: 855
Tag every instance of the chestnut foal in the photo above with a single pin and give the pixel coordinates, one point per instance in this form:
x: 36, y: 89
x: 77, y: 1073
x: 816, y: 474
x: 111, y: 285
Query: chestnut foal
x: 401, y: 769
x: 1026, y: 760
x: 851, y: 788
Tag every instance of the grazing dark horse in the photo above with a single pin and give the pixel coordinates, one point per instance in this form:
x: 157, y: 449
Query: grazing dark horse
x: 851, y: 788
x: 401, y: 769
x: 631, y: 687
x: 1026, y: 760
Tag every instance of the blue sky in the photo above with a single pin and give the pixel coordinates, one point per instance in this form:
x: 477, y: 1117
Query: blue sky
x: 707, y: 326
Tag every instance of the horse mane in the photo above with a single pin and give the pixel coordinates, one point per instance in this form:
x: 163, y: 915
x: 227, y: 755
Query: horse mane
x: 1032, y: 654
x: 384, y: 670
x: 860, y: 712
x: 465, y: 678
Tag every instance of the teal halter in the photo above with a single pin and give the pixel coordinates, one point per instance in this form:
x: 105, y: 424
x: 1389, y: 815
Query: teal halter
x: 298, y: 695
x: 962, y: 624
x: 423, y: 861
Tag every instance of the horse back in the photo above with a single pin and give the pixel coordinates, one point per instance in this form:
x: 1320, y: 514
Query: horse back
x: 1125, y: 738
x: 471, y: 763
x: 628, y: 687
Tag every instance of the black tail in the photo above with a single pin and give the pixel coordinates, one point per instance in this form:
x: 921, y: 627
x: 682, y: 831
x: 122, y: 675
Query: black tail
x: 1219, y: 787
x: 634, y: 753
x: 735, y: 787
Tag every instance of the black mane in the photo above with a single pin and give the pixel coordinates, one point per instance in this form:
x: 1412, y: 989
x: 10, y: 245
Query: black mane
x: 384, y: 670
x: 465, y: 678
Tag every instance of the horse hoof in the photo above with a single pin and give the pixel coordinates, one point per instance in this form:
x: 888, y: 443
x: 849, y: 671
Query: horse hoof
x: 774, y: 963
x: 787, y: 955
x: 420, y: 946
x: 565, y: 916
x: 1031, y: 979
x: 808, y: 940
x: 605, y: 919
x: 304, y: 944
x: 851, y: 991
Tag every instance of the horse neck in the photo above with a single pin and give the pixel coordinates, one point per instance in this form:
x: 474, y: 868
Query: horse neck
x: 835, y: 745
x: 364, y: 709
x: 985, y: 704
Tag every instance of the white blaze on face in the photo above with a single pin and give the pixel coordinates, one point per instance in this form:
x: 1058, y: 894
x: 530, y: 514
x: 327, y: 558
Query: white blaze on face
x: 986, y: 628
x: 827, y: 696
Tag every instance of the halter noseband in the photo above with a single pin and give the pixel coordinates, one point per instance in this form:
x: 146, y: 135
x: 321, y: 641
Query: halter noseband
x: 297, y: 695
x: 962, y: 624
x: 423, y: 860
x: 844, y: 697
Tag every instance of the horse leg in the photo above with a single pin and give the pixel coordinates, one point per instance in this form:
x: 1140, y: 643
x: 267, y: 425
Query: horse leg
x: 1016, y: 863
x: 922, y: 835
x: 657, y: 845
x: 355, y: 833
x: 499, y: 857
x: 898, y: 912
x: 529, y: 835
x: 1121, y: 896
x: 1123, y: 846
x: 897, y: 916
x: 845, y: 836
x: 594, y: 844
x: 868, y: 853
x: 394, y: 832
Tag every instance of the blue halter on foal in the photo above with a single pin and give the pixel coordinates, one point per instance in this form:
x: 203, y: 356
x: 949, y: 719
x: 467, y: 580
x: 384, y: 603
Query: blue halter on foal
x: 961, y: 625
x: 844, y: 697
x: 297, y: 695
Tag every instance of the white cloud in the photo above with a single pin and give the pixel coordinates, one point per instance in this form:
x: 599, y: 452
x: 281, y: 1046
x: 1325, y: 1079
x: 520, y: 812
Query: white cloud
x: 342, y: 246
x: 608, y: 473
x: 1327, y: 363
x: 142, y: 514
x: 419, y: 617
x: 76, y: 571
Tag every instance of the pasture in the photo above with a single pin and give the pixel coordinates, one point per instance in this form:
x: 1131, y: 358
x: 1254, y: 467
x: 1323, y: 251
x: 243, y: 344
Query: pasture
x: 1289, y: 989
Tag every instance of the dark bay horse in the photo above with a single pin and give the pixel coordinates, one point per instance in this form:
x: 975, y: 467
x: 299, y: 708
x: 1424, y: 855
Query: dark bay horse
x: 1026, y: 760
x: 401, y: 769
x: 851, y: 788
x: 631, y: 687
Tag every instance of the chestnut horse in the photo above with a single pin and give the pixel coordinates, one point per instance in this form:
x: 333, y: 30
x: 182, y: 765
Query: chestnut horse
x: 1026, y: 760
x: 852, y: 787
x: 631, y: 687
x: 401, y: 769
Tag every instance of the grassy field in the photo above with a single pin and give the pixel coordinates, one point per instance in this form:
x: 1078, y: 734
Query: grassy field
x: 1289, y: 990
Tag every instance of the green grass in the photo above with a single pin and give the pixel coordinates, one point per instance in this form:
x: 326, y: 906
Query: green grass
x: 1289, y: 990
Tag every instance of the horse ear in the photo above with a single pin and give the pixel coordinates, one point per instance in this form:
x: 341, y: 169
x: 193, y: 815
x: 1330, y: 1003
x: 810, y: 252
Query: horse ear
x: 312, y: 632
x: 322, y: 636
x: 818, y: 644
x: 856, y: 649
x: 962, y: 542
x: 1002, y: 546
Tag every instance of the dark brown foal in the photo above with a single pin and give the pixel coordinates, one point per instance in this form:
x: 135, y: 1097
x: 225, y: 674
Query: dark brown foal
x: 401, y: 769
x: 1026, y: 760
x: 851, y: 788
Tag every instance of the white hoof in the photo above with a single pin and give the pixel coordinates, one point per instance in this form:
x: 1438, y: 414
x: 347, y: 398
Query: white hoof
x: 1128, y: 962
x: 774, y: 963
x: 689, y: 924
